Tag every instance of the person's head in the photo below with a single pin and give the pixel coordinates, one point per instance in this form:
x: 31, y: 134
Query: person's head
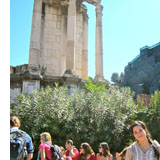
x: 104, y: 149
x: 69, y: 144
x: 45, y: 136
x: 140, y: 131
x: 62, y: 150
x: 15, y: 122
x: 86, y: 149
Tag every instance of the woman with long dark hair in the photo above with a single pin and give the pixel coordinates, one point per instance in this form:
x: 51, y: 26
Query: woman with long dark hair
x: 104, y: 152
x: 144, y: 147
x: 86, y: 152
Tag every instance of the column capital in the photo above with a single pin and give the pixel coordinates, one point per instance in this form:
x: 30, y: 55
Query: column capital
x: 99, y: 9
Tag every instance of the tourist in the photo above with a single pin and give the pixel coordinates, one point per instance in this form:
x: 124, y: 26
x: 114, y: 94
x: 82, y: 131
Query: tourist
x: 44, y: 148
x: 64, y: 154
x: 71, y: 150
x: 144, y: 147
x: 104, y: 152
x: 14, y: 131
x: 86, y: 152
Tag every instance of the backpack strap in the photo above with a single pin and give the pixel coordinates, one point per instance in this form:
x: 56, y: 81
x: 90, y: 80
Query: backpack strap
x: 16, y: 134
x: 19, y: 133
x: 54, y: 146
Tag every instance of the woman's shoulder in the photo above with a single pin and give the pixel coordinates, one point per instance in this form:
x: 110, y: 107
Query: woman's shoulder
x: 92, y: 156
x: 131, y: 149
x: 110, y: 155
x: 44, y: 145
x: 132, y: 145
x: 156, y: 145
x: 98, y: 154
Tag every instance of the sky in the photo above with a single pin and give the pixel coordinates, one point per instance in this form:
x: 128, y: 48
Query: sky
x: 128, y: 25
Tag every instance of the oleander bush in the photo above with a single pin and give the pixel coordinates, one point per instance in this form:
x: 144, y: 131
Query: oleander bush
x: 98, y: 113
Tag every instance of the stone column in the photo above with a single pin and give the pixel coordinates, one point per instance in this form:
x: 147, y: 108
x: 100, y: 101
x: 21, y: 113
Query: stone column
x: 85, y: 46
x: 71, y: 36
x: 99, y: 43
x: 63, y: 44
x: 35, y: 41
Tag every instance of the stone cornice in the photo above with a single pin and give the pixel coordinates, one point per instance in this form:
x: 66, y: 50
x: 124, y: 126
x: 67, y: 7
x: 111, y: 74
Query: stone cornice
x: 93, y: 2
x: 56, y: 2
x: 65, y: 2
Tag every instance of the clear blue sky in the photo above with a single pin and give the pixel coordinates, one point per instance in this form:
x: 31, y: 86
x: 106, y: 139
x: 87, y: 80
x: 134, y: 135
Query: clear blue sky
x: 128, y: 25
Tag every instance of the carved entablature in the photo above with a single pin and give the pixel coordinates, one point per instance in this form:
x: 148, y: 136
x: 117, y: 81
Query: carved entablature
x: 93, y: 2
x: 56, y: 2
x: 65, y: 2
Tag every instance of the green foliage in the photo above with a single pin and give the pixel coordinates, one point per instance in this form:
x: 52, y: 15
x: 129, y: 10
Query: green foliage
x: 99, y: 87
x: 151, y: 115
x: 96, y: 115
x: 115, y: 78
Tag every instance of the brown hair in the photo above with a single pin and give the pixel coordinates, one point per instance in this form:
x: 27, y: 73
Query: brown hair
x: 46, y: 136
x: 15, y: 122
x: 69, y: 141
x: 143, y: 125
x: 87, y: 150
x: 105, y: 149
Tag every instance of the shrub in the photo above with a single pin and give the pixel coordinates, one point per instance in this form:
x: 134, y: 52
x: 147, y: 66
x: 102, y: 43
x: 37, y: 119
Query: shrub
x: 151, y: 115
x: 94, y: 115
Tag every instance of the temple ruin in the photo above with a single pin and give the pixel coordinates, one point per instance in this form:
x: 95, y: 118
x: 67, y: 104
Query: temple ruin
x: 59, y: 37
x: 59, y: 46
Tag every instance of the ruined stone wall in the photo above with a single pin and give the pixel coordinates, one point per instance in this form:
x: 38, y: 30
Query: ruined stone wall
x: 51, y: 42
x: 51, y: 49
x: 143, y: 73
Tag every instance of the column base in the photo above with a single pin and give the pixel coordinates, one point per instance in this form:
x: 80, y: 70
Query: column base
x: 99, y: 78
x: 70, y: 72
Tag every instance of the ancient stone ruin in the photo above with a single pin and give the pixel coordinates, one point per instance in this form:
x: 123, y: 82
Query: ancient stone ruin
x: 142, y: 74
x: 59, y: 37
x: 59, y: 46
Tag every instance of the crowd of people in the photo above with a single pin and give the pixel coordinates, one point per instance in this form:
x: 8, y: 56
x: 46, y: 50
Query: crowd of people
x: 144, y: 148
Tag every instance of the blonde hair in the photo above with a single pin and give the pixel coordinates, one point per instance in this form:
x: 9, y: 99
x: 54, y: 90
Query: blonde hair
x: 46, y: 136
x: 62, y: 149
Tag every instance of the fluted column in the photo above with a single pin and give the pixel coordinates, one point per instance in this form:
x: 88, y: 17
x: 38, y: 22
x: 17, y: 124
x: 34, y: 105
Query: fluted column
x: 35, y: 33
x: 99, y: 43
x: 71, y: 36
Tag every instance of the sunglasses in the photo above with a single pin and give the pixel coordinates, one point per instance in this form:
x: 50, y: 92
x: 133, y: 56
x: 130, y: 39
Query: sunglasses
x: 80, y: 148
x: 99, y: 147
